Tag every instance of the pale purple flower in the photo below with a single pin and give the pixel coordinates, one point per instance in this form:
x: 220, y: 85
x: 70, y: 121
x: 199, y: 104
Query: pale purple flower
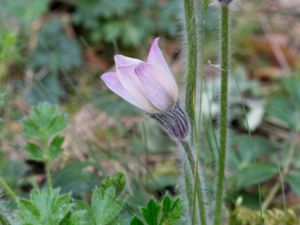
x: 151, y: 87
x: 148, y: 85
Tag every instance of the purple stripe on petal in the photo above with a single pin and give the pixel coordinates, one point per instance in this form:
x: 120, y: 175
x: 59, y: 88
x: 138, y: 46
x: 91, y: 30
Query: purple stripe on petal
x: 111, y: 81
x: 153, y: 89
x: 161, y: 77
x: 131, y: 83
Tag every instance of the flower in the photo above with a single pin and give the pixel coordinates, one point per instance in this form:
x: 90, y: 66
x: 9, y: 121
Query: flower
x: 151, y: 87
x: 148, y: 85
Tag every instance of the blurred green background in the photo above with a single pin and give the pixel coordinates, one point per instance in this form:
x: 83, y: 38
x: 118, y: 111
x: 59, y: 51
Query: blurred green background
x: 55, y: 51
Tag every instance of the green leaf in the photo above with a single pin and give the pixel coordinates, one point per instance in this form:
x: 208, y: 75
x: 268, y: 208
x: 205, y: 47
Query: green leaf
x: 151, y: 212
x: 172, y: 210
x: 168, y: 212
x: 58, y: 53
x: 56, y: 147
x: 118, y: 181
x: 105, y: 205
x: 291, y: 85
x: 293, y: 179
x: 44, y: 121
x: 25, y: 13
x: 35, y: 152
x: 289, y: 101
x: 28, y: 212
x: 136, y: 221
x: 52, y: 91
x: 246, y: 149
x: 80, y: 207
x: 289, y: 116
x: 76, y: 218
x: 254, y: 173
x: 167, y: 204
x: 44, y: 207
x: 74, y: 177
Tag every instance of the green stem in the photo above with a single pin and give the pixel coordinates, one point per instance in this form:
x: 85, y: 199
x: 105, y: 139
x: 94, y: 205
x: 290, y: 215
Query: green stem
x: 200, y: 71
x: 190, y: 25
x: 7, y: 189
x: 188, y: 186
x: 199, y: 190
x: 48, y: 166
x: 223, y: 112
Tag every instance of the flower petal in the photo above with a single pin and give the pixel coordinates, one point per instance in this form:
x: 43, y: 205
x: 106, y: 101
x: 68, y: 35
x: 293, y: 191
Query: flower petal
x: 155, y: 57
x: 111, y: 81
x: 132, y: 85
x: 160, y: 76
x: 122, y: 60
x: 152, y: 88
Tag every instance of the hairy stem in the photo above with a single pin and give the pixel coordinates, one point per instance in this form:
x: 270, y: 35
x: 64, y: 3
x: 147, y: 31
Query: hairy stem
x: 199, y: 191
x: 190, y: 25
x: 48, y: 166
x: 223, y: 112
x: 188, y: 186
x: 199, y: 13
x: 7, y: 189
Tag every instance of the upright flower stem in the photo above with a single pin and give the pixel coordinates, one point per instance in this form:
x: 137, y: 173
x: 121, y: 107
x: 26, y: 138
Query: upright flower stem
x: 200, y: 197
x: 191, y: 41
x: 223, y: 112
x: 188, y: 186
x: 199, y: 14
x: 191, y: 81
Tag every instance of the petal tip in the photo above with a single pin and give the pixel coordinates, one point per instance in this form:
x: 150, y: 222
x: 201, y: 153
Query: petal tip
x: 107, y: 76
x: 121, y: 60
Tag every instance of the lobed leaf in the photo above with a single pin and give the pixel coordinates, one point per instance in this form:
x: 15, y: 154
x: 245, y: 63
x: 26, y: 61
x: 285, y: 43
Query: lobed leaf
x: 44, y: 120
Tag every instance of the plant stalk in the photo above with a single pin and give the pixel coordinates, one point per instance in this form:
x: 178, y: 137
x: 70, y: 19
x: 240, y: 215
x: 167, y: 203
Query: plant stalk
x: 199, y: 14
x: 188, y: 186
x: 191, y: 40
x: 48, y: 166
x: 198, y: 191
x: 7, y: 189
x: 223, y: 112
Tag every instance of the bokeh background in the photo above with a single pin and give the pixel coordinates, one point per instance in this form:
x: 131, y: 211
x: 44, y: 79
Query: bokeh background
x: 56, y: 50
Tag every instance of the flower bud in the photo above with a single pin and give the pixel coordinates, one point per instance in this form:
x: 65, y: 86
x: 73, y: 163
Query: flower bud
x: 174, y: 121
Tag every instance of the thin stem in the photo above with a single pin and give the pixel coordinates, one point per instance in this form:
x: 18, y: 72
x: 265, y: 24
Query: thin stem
x: 223, y: 111
x: 200, y: 71
x: 200, y: 194
x: 7, y: 189
x: 285, y: 170
x: 188, y: 186
x: 190, y: 25
x: 48, y: 166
